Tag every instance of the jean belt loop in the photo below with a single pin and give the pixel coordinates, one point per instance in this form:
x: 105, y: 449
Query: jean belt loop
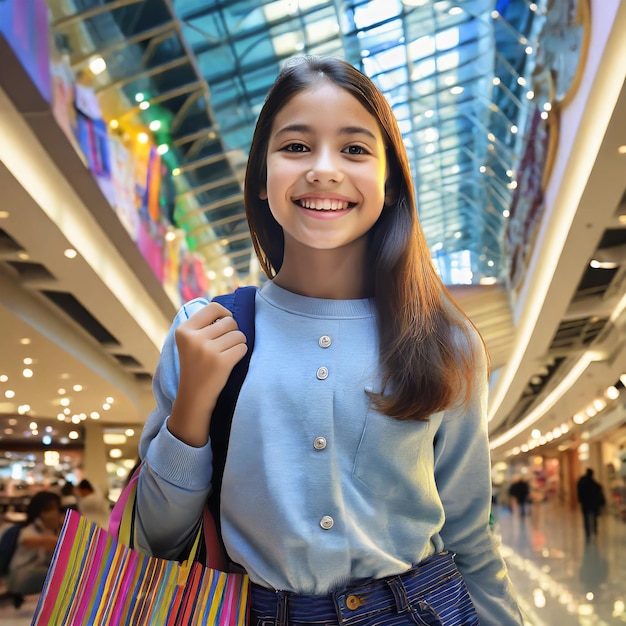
x: 399, y: 594
x: 282, y: 608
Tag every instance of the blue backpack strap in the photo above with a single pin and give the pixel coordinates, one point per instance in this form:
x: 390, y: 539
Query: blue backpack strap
x: 241, y: 304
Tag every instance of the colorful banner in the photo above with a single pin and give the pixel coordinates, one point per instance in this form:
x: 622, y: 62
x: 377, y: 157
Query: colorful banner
x: 24, y: 25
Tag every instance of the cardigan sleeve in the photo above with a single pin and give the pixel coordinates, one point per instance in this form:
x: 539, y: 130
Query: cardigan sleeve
x: 175, y: 478
x: 463, y: 478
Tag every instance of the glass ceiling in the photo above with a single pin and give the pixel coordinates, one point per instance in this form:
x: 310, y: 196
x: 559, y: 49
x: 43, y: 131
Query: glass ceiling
x: 455, y: 72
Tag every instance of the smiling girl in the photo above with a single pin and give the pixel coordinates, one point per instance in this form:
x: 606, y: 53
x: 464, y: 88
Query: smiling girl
x: 357, y: 483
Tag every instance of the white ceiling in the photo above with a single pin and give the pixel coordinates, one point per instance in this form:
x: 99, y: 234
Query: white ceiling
x: 64, y: 209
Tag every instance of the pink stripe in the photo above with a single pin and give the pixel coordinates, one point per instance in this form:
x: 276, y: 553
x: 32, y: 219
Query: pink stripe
x: 59, y: 563
x: 118, y: 509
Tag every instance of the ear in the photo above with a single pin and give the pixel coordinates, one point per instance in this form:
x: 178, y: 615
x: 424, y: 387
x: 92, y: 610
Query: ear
x: 263, y: 193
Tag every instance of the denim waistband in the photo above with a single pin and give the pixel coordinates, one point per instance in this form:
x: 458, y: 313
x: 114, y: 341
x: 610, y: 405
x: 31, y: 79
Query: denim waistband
x: 396, y: 593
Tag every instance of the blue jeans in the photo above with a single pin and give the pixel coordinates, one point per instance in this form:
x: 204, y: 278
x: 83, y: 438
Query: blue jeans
x: 431, y: 594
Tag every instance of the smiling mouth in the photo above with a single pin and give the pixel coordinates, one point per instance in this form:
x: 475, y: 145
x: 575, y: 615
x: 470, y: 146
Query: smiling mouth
x: 324, y: 204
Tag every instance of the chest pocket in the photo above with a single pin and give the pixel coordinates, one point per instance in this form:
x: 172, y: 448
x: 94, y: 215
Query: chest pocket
x: 394, y: 459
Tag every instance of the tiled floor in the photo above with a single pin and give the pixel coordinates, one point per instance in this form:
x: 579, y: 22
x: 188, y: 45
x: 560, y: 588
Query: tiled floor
x: 561, y: 580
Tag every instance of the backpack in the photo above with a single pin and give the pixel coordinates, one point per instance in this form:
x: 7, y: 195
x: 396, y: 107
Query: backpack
x: 8, y: 544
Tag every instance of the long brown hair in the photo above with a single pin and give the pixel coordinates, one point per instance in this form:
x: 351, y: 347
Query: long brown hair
x: 426, y: 362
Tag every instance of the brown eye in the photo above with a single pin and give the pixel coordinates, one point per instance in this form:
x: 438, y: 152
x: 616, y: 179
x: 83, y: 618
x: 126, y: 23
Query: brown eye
x: 355, y: 150
x: 295, y: 147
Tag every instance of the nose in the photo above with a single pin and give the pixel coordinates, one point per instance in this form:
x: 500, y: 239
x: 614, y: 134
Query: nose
x: 324, y: 168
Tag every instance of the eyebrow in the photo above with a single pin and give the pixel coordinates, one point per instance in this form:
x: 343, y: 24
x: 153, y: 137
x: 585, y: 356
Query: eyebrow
x: 346, y: 130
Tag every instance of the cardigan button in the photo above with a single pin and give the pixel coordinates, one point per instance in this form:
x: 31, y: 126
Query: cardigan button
x: 325, y: 341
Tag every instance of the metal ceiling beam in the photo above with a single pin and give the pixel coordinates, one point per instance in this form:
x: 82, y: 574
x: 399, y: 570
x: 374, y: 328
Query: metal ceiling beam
x: 208, y: 186
x: 93, y: 11
x: 153, y: 71
x: 120, y: 45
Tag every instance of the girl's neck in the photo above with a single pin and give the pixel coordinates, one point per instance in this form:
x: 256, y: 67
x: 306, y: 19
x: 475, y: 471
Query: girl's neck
x: 329, y: 274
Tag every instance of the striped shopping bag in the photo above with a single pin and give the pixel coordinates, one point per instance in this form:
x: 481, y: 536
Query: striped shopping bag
x: 96, y: 579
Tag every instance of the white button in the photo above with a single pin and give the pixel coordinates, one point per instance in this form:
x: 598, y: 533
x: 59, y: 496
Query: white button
x: 322, y: 373
x: 325, y: 341
x: 319, y: 443
x: 327, y: 522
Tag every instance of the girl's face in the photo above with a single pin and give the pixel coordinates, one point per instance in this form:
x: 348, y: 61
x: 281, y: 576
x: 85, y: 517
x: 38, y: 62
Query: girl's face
x: 326, y: 170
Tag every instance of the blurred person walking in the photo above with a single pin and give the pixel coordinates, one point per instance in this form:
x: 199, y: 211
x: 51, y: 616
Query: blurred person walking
x: 591, y: 498
x: 519, y: 491
x: 94, y: 506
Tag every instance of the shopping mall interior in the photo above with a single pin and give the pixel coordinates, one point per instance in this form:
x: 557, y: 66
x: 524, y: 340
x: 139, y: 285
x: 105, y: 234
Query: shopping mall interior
x: 124, y: 131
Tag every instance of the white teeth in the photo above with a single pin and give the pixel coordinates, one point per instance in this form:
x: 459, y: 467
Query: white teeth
x: 325, y: 204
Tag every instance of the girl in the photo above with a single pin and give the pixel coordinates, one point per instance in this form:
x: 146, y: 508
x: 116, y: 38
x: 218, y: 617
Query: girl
x: 358, y: 460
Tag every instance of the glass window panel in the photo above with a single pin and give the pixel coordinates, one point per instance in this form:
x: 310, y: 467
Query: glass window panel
x: 321, y: 30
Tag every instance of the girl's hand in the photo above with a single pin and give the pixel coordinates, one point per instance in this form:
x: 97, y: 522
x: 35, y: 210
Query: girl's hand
x: 209, y: 346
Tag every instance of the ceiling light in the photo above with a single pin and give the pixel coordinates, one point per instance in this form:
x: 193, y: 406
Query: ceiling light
x: 455, y: 11
x: 25, y: 341
x: 612, y: 393
x: 73, y: 435
x: 114, y: 124
x: 535, y: 433
x: 530, y: 94
x: 64, y: 401
x: 142, y: 137
x: 176, y: 171
x: 139, y: 97
x: 75, y: 419
x: 4, y: 378
x: 33, y: 426
x: 61, y: 391
x: 163, y: 148
x: 456, y: 90
x: 228, y: 271
x: 155, y: 125
x: 603, y: 265
x: 77, y: 387
x: 144, y: 106
x: 4, y: 215
x: 27, y: 372
x: 70, y: 253
x: 109, y: 399
x: 622, y: 149
x: 23, y: 256
x: 106, y: 406
x: 27, y: 361
x: 116, y: 453
x: 495, y: 80
x: 97, y: 65
x: 114, y: 439
x: 599, y: 404
x: 9, y: 393
x: 94, y: 415
x: 129, y: 432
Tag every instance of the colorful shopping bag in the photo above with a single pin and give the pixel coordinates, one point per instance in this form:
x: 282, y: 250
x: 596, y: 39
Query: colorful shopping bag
x: 96, y: 579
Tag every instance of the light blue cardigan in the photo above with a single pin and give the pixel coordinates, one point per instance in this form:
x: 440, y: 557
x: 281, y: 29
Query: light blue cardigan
x: 319, y: 488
